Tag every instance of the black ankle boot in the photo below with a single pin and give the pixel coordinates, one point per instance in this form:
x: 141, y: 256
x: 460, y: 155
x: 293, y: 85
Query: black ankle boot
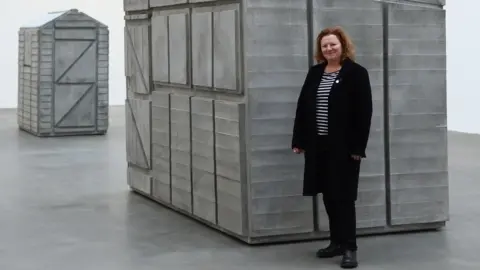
x: 349, y: 260
x: 331, y: 251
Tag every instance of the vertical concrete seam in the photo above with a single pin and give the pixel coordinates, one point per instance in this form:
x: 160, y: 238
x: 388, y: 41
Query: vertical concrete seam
x: 150, y: 166
x: 242, y: 90
x: 189, y: 51
x: 189, y: 80
x: 310, y: 38
x: 150, y: 105
x: 168, y: 48
x: 386, y: 110
x: 212, y: 25
x: 192, y: 210
x: 215, y: 178
x: 40, y: 36
x: 150, y: 90
x: 52, y: 104
x: 150, y: 52
x: 169, y: 97
x: 20, y: 85
x: 97, y: 113
x: 310, y: 47
x: 245, y: 189
x: 30, y: 81
x: 238, y: 50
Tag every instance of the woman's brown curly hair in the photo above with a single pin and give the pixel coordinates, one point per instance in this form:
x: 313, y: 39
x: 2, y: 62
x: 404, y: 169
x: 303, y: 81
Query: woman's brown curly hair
x: 348, y: 49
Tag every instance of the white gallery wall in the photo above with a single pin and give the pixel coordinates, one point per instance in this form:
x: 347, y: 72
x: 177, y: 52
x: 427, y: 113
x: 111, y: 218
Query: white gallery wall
x: 462, y: 46
x: 463, y: 41
x: 19, y: 12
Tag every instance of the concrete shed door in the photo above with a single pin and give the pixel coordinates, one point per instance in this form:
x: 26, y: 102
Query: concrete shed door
x: 75, y: 79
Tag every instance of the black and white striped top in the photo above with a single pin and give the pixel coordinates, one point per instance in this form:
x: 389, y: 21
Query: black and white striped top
x: 322, y: 101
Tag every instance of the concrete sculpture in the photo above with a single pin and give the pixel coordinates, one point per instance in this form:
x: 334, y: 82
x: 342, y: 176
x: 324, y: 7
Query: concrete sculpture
x: 212, y: 90
x: 63, y: 75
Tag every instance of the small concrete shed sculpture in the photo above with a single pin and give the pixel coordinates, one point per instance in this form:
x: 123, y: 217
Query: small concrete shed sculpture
x: 212, y: 91
x: 63, y: 75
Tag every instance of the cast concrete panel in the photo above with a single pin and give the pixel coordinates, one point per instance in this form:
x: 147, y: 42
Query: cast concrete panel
x: 419, y: 181
x: 363, y: 21
x: 225, y: 46
x: 161, y: 187
x: 229, y: 122
x: 178, y: 48
x: 277, y: 57
x: 202, y: 48
x: 138, y: 135
x: 137, y: 62
x: 63, y: 75
x: 180, y: 149
x: 203, y: 159
x: 139, y: 180
x: 135, y: 5
x: 160, y: 55
x: 225, y: 80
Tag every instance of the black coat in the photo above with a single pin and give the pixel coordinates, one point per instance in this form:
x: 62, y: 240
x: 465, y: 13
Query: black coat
x: 349, y: 119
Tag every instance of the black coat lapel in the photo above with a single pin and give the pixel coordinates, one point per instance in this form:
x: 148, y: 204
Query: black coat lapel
x: 346, y: 67
x: 315, y: 81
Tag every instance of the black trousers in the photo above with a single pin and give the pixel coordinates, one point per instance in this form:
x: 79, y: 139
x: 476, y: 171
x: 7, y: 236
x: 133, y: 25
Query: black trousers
x: 342, y: 222
x: 341, y: 213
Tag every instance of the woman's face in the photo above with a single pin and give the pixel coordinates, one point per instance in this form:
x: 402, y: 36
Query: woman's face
x: 331, y: 48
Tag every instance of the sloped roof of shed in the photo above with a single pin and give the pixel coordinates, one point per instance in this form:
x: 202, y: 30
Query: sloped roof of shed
x: 44, y: 19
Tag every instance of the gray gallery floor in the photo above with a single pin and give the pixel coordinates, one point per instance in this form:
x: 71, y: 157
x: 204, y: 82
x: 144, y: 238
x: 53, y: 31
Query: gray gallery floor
x: 64, y: 205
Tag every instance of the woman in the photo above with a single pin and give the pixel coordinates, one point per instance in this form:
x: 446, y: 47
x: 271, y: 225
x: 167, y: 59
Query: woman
x: 332, y: 127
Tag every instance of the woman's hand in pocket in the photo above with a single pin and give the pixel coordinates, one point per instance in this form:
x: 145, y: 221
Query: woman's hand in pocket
x: 298, y: 150
x: 356, y: 157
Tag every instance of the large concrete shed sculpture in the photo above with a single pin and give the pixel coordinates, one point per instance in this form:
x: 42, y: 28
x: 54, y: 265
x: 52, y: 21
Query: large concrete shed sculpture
x: 212, y: 90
